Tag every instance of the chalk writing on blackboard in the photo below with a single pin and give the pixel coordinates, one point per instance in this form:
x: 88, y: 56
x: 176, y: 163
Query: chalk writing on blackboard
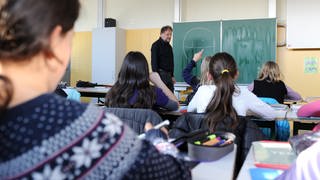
x: 196, y: 39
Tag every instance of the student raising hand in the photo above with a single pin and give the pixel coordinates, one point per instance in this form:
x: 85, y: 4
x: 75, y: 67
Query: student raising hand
x: 198, y: 56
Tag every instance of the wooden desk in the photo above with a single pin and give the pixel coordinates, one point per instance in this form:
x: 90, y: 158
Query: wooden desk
x: 220, y: 169
x: 97, y: 92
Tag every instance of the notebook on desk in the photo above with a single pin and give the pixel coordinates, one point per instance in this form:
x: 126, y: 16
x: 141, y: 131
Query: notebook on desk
x: 273, y: 154
x: 264, y: 173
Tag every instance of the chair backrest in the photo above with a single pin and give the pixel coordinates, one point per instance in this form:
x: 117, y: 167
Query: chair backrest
x: 136, y: 118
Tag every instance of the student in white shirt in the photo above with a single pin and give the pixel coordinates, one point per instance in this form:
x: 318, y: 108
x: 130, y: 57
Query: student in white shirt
x: 223, y: 71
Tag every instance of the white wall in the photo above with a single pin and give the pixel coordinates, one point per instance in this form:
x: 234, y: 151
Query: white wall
x: 88, y: 18
x: 282, y: 11
x: 139, y: 14
x: 206, y: 10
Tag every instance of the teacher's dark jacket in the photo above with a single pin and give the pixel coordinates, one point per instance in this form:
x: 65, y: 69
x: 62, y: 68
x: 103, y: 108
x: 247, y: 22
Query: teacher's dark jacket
x: 162, y: 56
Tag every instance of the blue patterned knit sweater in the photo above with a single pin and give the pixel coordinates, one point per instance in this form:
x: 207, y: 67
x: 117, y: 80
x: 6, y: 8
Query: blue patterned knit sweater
x: 50, y: 137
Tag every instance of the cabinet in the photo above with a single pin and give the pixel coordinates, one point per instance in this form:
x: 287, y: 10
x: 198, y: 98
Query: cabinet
x: 108, y: 51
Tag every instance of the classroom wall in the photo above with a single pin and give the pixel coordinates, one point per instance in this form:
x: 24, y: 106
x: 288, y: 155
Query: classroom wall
x: 81, y: 54
x: 139, y: 14
x: 141, y: 40
x: 206, y: 10
x: 88, y: 16
x: 291, y: 62
x: 81, y: 57
x: 141, y: 33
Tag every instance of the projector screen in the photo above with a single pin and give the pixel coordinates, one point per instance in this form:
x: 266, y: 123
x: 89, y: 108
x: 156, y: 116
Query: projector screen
x: 303, y: 24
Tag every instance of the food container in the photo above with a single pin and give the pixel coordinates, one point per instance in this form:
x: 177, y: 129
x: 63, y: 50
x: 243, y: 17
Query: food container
x: 198, y: 152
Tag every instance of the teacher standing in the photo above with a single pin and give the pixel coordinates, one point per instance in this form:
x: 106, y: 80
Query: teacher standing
x: 162, y: 57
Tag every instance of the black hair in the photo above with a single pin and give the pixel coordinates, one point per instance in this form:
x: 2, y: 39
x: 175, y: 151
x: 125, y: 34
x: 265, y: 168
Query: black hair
x: 132, y: 78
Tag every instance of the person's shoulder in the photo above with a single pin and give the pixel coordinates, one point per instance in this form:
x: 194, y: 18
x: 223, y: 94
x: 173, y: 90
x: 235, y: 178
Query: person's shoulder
x: 156, y: 43
x: 62, y: 102
x: 244, y: 91
x: 282, y: 83
x: 206, y: 88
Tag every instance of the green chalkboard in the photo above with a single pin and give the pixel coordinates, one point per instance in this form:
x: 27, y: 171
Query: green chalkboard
x: 251, y: 43
x: 189, y: 38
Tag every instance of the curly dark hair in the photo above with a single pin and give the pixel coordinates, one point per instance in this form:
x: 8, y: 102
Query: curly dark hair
x: 25, y: 29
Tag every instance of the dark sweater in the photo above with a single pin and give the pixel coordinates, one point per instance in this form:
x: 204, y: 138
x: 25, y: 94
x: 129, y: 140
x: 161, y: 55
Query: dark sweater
x: 162, y: 56
x: 276, y: 90
x: 190, y: 79
x: 51, y: 137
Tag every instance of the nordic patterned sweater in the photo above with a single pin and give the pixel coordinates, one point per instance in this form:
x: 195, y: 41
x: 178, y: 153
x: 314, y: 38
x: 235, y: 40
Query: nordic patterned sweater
x: 50, y: 137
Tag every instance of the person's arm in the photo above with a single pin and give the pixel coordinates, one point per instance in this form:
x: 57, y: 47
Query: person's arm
x: 163, y: 101
x: 258, y: 107
x: 292, y: 95
x: 307, y: 165
x: 130, y: 157
x: 154, y: 57
x: 150, y: 164
x: 310, y: 109
x: 187, y: 74
x: 156, y: 80
x: 192, y: 80
x: 250, y: 86
x: 200, y: 100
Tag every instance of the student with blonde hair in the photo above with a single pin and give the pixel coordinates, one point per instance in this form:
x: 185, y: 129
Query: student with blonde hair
x: 269, y: 84
x: 193, y: 80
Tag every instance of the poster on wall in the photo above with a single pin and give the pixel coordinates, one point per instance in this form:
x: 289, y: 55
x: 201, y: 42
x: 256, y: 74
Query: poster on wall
x: 311, y: 65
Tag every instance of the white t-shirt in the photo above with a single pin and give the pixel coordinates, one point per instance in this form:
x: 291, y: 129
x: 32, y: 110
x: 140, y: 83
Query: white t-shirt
x: 244, y: 102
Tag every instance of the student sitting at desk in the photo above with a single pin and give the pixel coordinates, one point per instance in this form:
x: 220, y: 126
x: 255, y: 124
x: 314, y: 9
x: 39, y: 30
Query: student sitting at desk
x: 133, y: 89
x: 223, y: 71
x: 269, y: 84
x: 192, y: 80
x: 45, y: 136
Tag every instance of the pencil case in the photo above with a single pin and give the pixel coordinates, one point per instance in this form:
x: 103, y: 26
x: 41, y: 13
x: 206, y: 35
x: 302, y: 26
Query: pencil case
x: 213, y: 149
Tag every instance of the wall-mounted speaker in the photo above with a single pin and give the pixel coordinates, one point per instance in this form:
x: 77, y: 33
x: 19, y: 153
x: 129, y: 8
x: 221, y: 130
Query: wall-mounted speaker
x: 109, y: 22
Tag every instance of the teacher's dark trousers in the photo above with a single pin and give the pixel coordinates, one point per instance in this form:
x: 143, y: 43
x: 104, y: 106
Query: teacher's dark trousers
x: 166, y: 78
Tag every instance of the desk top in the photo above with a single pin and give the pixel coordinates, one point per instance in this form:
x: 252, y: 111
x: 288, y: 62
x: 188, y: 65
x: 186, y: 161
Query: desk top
x: 93, y: 89
x: 220, y: 169
x: 291, y: 115
x: 248, y: 164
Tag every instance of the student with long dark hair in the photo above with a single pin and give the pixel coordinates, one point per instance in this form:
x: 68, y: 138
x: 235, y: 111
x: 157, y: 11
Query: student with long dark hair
x: 45, y: 136
x: 219, y: 97
x: 133, y: 89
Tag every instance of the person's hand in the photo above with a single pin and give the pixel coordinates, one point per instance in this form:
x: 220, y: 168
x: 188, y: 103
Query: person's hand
x: 148, y: 126
x: 173, y: 80
x: 197, y: 56
x: 159, y: 139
